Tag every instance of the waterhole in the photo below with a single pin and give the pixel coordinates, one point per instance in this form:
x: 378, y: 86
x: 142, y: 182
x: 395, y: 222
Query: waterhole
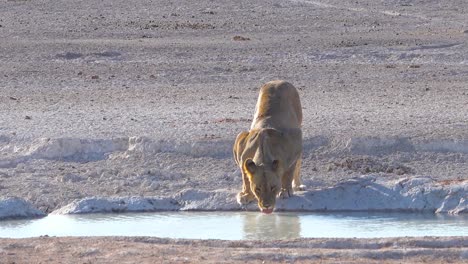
x: 240, y: 225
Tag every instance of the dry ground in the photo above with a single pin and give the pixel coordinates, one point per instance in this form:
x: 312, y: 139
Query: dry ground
x: 156, y: 250
x: 174, y: 71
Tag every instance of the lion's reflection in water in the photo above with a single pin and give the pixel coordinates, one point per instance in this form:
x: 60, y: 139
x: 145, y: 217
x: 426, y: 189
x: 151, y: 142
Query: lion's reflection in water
x: 273, y: 226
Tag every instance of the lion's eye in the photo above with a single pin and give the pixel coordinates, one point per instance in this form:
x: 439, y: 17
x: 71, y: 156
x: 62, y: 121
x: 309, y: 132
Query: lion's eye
x: 273, y: 188
x: 257, y: 189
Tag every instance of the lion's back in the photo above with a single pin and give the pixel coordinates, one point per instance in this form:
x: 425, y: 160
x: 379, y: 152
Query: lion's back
x: 278, y: 106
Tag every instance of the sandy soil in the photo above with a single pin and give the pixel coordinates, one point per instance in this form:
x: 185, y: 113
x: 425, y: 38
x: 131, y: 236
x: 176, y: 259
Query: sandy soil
x: 83, y: 84
x: 156, y: 250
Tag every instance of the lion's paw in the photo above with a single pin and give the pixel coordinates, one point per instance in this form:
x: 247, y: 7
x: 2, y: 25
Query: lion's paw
x: 300, y: 188
x: 245, y: 198
x: 285, y: 193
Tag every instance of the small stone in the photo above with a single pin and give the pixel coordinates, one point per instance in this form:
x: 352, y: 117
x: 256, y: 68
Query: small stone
x: 28, y: 117
x: 240, y: 38
x: 94, y: 77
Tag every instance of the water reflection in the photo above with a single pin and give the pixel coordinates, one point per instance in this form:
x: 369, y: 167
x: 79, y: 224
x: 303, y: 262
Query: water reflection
x: 16, y: 223
x: 273, y: 226
x: 240, y: 225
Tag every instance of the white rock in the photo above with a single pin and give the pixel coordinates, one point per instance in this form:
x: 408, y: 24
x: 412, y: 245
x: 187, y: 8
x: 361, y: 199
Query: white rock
x: 124, y: 204
x: 366, y: 193
x: 13, y: 207
x: 219, y: 200
x: 374, y: 193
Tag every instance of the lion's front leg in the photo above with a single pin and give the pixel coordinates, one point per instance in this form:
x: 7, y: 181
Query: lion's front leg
x: 245, y: 196
x: 297, y: 182
x: 286, y: 184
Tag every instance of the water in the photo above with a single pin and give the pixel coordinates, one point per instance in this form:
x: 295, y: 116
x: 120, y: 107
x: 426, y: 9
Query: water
x: 239, y: 225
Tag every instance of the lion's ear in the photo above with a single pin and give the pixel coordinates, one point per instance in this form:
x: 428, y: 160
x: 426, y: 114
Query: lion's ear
x: 275, y: 164
x: 250, y: 166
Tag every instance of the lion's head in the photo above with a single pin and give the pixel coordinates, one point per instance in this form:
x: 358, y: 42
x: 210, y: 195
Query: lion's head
x: 265, y: 182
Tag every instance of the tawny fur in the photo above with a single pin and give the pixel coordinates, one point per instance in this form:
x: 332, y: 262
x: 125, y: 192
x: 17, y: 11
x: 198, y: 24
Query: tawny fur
x: 269, y: 154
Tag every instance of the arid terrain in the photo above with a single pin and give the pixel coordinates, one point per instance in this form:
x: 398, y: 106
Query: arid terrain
x: 145, y: 98
x: 157, y: 250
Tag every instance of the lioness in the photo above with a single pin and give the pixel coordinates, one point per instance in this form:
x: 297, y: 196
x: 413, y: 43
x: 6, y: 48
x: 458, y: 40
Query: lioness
x: 269, y: 155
